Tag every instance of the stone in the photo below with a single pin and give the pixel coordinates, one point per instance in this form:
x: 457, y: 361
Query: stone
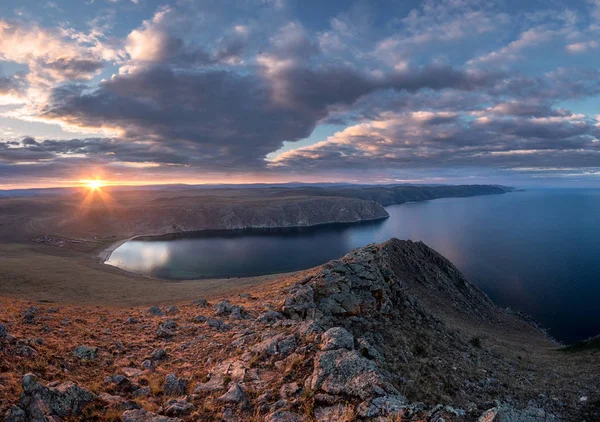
x: 158, y: 354
x: 172, y: 310
x: 174, y: 386
x: 47, y: 403
x: 237, y: 312
x: 345, y: 372
x: 289, y: 390
x: 301, y: 303
x: 309, y: 328
x: 29, y: 315
x: 269, y: 317
x: 25, y: 351
x: 142, y: 392
x: 216, y: 383
x: 382, y: 406
x: 200, y: 318
x: 222, y: 308
x: 85, y: 352
x: 337, y: 338
x: 506, y: 413
x: 200, y: 302
x: 217, y: 324
x: 178, y: 408
x: 338, y: 412
x: 284, y: 416
x: 142, y: 415
x: 131, y: 320
x: 3, y: 332
x: 166, y: 330
x: 276, y: 345
x: 235, y: 394
x: 148, y: 365
x: 156, y: 311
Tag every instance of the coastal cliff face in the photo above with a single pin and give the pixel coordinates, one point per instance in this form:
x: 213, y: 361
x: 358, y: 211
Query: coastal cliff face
x: 389, y: 332
x: 175, y: 215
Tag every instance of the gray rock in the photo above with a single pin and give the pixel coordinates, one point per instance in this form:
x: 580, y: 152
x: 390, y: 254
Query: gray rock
x: 174, y: 386
x: 222, y: 308
x: 200, y: 302
x: 237, y: 312
x: 3, y: 332
x: 235, y: 394
x: 179, y: 408
x: 166, y: 329
x: 142, y: 392
x: 345, y: 372
x: 309, y: 328
x: 279, y: 344
x: 269, y: 317
x: 301, y: 303
x: 148, y: 365
x: 29, y: 315
x: 337, y: 338
x: 158, y: 354
x: 47, y: 403
x: 85, y: 352
x: 200, y: 318
x: 289, y: 390
x: 156, y: 311
x: 284, y: 416
x: 216, y: 383
x: 142, y: 415
x: 338, y: 412
x: 25, y: 351
x: 382, y: 406
x: 217, y: 324
x: 131, y: 320
x: 172, y: 310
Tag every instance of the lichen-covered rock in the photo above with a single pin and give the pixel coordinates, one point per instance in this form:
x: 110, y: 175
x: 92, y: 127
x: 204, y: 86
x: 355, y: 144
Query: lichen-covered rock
x: 235, y: 394
x: 174, y: 386
x: 391, y: 406
x: 345, y: 372
x: 178, y: 408
x: 39, y: 403
x: 269, y: 317
x: 85, y: 352
x: 222, y: 308
x: 142, y: 415
x: 200, y: 302
x: 156, y: 311
x: 337, y: 338
x: 3, y: 332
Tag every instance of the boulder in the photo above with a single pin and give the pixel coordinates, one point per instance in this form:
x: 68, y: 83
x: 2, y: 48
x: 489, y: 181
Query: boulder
x: 174, y: 386
x: 85, y: 352
x: 45, y: 403
x: 200, y: 302
x: 345, y: 372
x: 156, y: 311
x: 269, y: 317
x: 337, y: 338
x: 235, y: 394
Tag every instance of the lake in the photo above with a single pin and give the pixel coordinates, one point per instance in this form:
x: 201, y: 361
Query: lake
x: 537, y: 251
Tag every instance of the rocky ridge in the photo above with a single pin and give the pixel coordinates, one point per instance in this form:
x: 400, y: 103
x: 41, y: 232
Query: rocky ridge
x: 389, y: 332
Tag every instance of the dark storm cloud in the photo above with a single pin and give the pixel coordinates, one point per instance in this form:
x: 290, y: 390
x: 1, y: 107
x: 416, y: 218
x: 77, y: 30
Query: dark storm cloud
x: 226, y: 116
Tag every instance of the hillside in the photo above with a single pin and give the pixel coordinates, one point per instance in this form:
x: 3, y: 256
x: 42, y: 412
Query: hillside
x: 388, y: 332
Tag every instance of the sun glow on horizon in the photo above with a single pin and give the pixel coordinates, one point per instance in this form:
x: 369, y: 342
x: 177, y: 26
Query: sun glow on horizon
x: 93, y: 184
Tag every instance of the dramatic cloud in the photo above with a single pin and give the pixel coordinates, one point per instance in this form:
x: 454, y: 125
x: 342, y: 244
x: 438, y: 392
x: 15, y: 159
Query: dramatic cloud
x: 255, y: 88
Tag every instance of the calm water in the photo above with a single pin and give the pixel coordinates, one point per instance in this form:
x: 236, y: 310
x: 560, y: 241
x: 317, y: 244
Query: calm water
x: 537, y: 251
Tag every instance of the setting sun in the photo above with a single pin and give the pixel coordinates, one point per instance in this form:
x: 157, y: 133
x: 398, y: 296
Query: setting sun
x: 93, y: 184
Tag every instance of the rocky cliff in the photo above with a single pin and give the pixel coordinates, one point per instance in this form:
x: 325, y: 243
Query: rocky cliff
x: 389, y: 332
x: 191, y: 214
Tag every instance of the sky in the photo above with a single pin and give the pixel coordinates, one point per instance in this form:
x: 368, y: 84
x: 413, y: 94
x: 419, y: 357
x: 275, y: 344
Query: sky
x: 385, y: 91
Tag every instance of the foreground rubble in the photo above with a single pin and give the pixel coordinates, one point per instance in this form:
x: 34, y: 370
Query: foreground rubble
x: 389, y: 332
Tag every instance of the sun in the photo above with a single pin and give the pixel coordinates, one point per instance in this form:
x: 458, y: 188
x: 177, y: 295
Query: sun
x: 94, y: 184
